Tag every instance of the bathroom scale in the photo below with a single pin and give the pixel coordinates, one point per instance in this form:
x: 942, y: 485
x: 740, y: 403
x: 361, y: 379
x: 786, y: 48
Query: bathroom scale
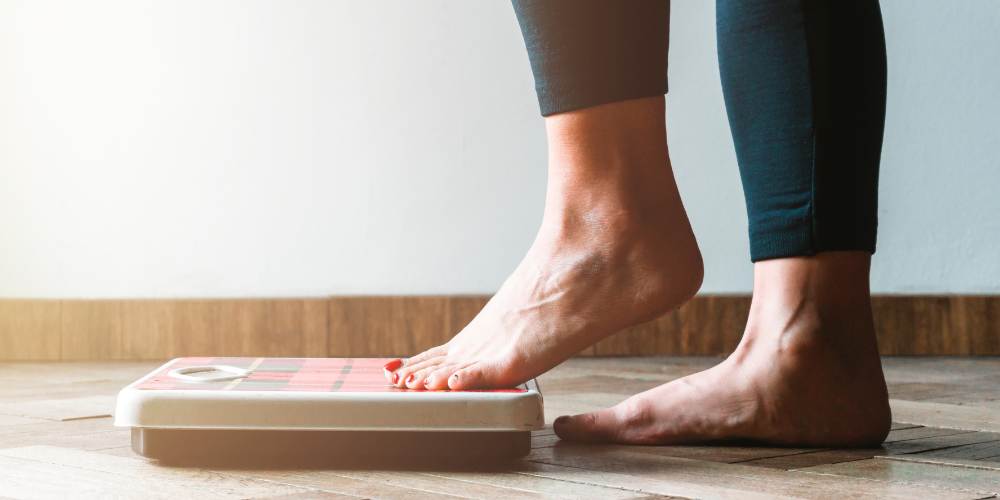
x: 206, y: 409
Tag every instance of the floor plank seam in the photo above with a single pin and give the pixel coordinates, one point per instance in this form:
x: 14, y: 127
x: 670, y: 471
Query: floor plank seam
x: 73, y: 419
x: 914, y: 453
x: 290, y: 485
x: 588, y: 483
x: 469, y: 481
x: 750, y: 461
x: 390, y: 483
x: 898, y: 481
x: 916, y: 458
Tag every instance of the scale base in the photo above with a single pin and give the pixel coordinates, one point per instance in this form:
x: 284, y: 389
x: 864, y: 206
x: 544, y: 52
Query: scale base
x: 341, y: 448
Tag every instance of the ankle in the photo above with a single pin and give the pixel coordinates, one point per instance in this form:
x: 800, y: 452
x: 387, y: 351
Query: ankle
x: 829, y: 281
x: 804, y: 305
x: 611, y: 158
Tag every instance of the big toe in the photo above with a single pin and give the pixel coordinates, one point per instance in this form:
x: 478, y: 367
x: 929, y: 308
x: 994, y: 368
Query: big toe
x: 481, y: 375
x: 632, y: 421
x: 597, y: 426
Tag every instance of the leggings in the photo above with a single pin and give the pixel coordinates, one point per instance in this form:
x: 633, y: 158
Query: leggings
x: 804, y: 83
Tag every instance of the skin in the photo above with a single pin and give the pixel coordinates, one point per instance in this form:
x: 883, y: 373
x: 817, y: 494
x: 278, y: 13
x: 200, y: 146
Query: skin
x: 806, y: 372
x: 615, y: 248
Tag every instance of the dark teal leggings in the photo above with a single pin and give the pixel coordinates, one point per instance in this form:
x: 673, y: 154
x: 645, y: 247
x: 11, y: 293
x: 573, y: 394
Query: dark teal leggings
x: 804, y: 83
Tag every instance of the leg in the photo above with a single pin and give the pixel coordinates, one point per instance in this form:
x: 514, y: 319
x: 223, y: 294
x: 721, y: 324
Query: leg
x: 615, y: 247
x: 805, y: 90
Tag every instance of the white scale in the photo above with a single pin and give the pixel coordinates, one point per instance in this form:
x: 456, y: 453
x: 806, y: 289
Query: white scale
x: 317, y: 409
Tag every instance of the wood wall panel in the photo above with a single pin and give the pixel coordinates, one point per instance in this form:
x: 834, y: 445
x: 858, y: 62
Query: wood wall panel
x: 29, y: 329
x: 390, y: 326
x: 708, y: 325
x: 147, y: 328
x: 400, y: 325
x: 90, y: 329
x: 954, y: 325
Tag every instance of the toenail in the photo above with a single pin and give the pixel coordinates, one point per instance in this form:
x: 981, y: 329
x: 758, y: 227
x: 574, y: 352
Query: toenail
x: 409, y: 380
x: 393, y: 365
x: 395, y: 378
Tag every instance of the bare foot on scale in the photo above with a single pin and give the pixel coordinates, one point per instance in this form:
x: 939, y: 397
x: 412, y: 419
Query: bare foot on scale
x: 615, y: 248
x: 807, y: 372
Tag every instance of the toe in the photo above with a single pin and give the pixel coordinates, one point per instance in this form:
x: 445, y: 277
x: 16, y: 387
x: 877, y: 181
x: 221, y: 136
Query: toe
x: 479, y: 375
x: 628, y: 422
x: 437, y: 379
x: 401, y: 376
x: 597, y: 426
x: 415, y: 380
x: 390, y: 368
x: 433, y: 352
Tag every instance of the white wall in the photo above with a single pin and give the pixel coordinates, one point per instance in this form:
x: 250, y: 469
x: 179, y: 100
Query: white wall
x: 270, y: 148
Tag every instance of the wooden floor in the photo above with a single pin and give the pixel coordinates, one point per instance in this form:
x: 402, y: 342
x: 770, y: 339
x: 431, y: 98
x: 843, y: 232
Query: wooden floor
x: 56, y: 441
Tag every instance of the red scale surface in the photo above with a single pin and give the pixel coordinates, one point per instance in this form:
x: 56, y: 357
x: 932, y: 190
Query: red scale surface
x: 288, y: 374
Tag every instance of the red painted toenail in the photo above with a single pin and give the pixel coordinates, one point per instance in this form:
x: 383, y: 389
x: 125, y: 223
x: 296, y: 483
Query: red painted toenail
x: 395, y: 378
x: 409, y: 380
x: 393, y: 365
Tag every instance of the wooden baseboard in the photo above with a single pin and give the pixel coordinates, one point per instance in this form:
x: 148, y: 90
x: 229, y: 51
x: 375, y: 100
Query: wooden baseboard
x: 400, y: 325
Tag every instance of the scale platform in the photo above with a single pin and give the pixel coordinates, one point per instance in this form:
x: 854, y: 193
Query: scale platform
x: 203, y: 409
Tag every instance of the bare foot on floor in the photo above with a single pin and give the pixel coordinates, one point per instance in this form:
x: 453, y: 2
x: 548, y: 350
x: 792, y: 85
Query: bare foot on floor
x: 807, y: 373
x: 615, y: 248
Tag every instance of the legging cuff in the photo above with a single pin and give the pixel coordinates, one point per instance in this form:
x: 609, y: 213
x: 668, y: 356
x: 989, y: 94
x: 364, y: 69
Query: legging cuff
x: 798, y: 233
x: 585, y: 53
x: 552, y: 99
x: 798, y: 243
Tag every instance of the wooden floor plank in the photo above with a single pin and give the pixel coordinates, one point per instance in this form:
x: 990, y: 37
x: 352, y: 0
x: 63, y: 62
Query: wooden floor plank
x: 72, y: 390
x: 6, y: 420
x: 87, y: 441
x: 903, y: 441
x: 987, y: 464
x: 61, y: 409
x: 52, y: 375
x: 684, y: 477
x: 312, y: 495
x: 54, y: 428
x: 547, y: 487
x: 118, y: 451
x: 933, y: 476
x: 976, y: 451
x: 920, y: 432
x: 442, y: 485
x: 946, y: 415
x: 36, y: 397
x: 721, y: 454
x: 51, y: 472
x: 937, y: 443
x: 644, y: 484
x: 334, y: 482
x: 938, y: 369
